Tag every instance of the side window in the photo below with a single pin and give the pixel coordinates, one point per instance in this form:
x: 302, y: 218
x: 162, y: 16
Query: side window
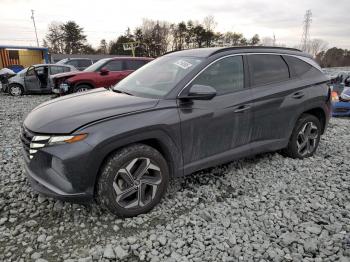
x: 114, y: 65
x: 30, y: 72
x: 225, y: 75
x: 67, y: 69
x: 133, y: 64
x: 40, y: 70
x: 84, y: 63
x: 299, y: 68
x: 267, y: 69
x: 72, y: 63
x: 56, y: 70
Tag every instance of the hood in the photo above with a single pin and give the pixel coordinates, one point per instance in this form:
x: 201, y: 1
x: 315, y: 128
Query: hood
x: 66, y: 114
x: 69, y: 74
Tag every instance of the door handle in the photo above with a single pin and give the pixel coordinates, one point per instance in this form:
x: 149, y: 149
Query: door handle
x: 298, y: 95
x: 242, y: 108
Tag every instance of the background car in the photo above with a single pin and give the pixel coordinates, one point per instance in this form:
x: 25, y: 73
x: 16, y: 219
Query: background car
x: 35, y: 79
x: 104, y: 73
x: 78, y: 63
x: 340, y: 86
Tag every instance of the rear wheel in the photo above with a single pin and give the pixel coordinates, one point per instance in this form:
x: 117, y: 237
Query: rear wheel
x: 305, y: 137
x: 15, y: 90
x: 133, y: 180
x: 82, y: 88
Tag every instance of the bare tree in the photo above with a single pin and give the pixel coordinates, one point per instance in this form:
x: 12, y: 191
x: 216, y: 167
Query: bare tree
x: 55, y: 38
x: 316, y: 46
x: 209, y: 23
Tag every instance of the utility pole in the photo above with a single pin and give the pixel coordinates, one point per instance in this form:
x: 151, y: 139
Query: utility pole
x: 274, y: 40
x: 36, y: 34
x: 305, y: 38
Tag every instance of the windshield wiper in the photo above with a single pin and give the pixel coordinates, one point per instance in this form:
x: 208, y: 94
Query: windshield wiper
x: 121, y: 92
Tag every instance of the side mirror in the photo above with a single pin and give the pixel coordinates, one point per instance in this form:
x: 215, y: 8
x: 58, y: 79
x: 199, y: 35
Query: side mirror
x: 104, y: 71
x: 200, y: 92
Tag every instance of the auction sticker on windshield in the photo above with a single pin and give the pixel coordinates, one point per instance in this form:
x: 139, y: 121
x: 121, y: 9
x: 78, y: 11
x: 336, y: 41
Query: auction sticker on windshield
x: 183, y: 64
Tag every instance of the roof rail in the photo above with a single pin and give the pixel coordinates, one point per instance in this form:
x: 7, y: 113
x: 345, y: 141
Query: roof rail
x: 253, y: 47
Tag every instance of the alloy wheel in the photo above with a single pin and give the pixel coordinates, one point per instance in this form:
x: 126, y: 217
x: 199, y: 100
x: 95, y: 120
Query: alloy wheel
x: 307, y: 138
x: 15, y: 90
x: 82, y: 89
x: 136, y: 184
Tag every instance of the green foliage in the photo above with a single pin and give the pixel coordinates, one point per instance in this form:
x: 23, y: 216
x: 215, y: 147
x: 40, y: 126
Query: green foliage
x: 334, y: 57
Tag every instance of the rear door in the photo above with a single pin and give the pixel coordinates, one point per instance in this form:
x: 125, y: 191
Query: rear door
x: 277, y: 99
x: 31, y: 80
x: 213, y: 131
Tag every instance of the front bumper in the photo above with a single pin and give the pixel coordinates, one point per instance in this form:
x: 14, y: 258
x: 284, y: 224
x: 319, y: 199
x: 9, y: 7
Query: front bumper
x: 341, y: 109
x: 61, y: 171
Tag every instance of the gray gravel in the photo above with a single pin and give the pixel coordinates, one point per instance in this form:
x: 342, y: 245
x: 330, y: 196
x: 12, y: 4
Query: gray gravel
x: 266, y: 208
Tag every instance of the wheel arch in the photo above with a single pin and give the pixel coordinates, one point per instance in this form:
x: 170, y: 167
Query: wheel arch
x: 161, y: 143
x: 88, y: 83
x: 16, y: 84
x: 319, y: 113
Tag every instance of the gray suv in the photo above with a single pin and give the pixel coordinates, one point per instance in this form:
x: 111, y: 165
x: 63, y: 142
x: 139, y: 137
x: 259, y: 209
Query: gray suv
x: 35, y: 79
x: 180, y: 113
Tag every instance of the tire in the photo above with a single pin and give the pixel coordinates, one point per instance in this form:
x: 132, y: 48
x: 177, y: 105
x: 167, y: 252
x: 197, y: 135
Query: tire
x: 82, y: 88
x: 305, y: 137
x: 117, y: 178
x: 15, y: 90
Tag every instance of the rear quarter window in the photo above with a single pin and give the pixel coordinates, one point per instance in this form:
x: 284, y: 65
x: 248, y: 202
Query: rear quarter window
x: 267, y: 69
x: 301, y: 69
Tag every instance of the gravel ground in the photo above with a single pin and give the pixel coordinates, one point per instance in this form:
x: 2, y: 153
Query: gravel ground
x: 266, y: 208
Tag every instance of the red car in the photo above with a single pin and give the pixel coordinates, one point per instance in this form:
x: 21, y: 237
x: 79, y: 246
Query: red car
x: 104, y: 73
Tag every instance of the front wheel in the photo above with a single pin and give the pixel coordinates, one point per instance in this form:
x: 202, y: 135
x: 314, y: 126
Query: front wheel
x: 133, y: 180
x: 15, y: 90
x: 305, y: 137
x: 82, y: 88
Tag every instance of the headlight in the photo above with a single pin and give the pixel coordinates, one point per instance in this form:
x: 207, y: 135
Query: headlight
x: 43, y: 141
x: 64, y: 87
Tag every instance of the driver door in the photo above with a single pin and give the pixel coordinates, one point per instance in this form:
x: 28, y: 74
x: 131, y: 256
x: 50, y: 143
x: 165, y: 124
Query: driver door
x: 31, y: 80
x: 214, y: 131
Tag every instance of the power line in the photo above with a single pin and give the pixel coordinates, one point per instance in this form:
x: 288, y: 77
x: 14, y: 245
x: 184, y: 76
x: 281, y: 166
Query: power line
x: 305, y: 38
x: 36, y: 34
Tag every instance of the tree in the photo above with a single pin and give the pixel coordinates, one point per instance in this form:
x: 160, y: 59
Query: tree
x: 209, y: 23
x: 116, y: 48
x: 74, y: 38
x: 55, y: 38
x: 103, y: 48
x: 87, y: 49
x: 255, y: 40
x: 317, y: 46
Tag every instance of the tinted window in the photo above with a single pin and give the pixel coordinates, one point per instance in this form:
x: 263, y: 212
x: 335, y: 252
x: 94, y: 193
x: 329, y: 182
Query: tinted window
x: 133, y: 64
x: 67, y: 69
x: 225, y: 75
x: 267, y: 69
x: 72, y: 63
x: 57, y: 69
x: 84, y: 63
x: 114, y: 65
x: 300, y: 68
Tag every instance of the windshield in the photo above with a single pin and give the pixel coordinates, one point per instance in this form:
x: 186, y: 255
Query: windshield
x: 62, y: 62
x: 96, y: 66
x: 157, y: 78
x: 22, y: 72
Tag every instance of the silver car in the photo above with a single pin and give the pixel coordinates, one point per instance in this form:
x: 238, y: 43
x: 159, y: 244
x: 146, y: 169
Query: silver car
x: 35, y: 79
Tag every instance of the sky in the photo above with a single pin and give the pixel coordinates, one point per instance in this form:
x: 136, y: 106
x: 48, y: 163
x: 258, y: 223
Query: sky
x: 110, y: 18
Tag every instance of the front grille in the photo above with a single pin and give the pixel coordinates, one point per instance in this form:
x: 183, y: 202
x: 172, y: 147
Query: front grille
x: 31, y: 143
x: 26, y: 137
